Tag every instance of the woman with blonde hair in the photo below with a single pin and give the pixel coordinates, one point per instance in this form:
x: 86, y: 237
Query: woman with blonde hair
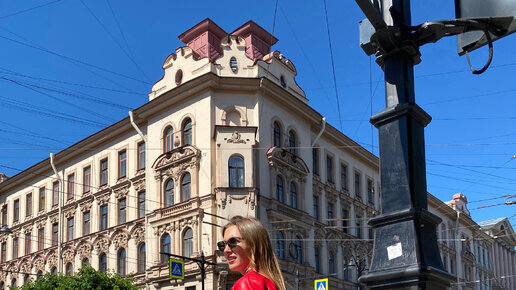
x: 248, y: 250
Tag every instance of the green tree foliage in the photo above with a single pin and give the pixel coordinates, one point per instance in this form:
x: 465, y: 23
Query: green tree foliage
x: 87, y: 278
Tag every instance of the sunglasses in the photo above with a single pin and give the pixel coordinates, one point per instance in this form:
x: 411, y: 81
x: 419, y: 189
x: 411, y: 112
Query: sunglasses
x: 232, y: 243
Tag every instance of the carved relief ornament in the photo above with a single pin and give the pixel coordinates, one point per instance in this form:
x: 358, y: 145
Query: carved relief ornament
x: 120, y: 240
x: 121, y: 192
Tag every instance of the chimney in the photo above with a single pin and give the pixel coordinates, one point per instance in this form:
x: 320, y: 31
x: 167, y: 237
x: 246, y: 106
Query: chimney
x: 258, y: 40
x: 204, y: 38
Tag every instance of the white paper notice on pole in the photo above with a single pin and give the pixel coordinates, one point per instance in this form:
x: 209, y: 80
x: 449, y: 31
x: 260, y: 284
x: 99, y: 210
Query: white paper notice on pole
x: 394, y: 251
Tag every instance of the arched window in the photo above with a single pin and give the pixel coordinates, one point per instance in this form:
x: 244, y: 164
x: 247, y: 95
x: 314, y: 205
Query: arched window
x: 280, y: 246
x: 26, y: 279
x: 121, y: 262
x: 292, y: 142
x: 279, y: 188
x: 13, y: 282
x: 53, y: 271
x: 2, y: 285
x: 293, y: 195
x: 187, y: 132
x: 185, y: 187
x: 39, y: 275
x: 165, y: 247
x: 141, y: 258
x: 169, y: 193
x: 299, y: 250
x: 277, y: 135
x: 103, y: 263
x: 346, y: 269
x: 331, y: 263
x: 188, y: 243
x: 69, y: 269
x: 236, y: 171
x: 169, y: 139
x: 85, y: 262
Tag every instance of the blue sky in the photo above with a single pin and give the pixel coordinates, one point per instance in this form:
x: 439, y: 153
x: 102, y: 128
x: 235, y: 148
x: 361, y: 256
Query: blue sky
x: 69, y: 68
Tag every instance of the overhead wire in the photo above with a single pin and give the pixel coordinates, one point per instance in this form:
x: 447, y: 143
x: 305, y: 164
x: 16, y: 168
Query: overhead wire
x: 333, y: 65
x: 116, y: 41
x: 28, y: 9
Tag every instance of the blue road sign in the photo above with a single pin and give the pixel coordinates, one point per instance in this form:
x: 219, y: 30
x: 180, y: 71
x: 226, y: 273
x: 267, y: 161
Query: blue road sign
x: 176, y: 269
x: 321, y: 284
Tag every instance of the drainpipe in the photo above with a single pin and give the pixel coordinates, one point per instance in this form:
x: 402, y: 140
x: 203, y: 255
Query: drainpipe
x: 60, y: 214
x: 320, y: 133
x: 457, y: 253
x: 147, y: 175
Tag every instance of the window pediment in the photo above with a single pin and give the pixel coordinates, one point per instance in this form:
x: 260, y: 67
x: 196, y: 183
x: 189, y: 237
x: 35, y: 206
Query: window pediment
x: 280, y: 157
x: 183, y: 154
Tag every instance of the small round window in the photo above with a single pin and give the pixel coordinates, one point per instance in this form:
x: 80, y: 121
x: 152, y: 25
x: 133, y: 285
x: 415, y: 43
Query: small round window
x: 233, y: 64
x: 282, y: 81
x: 179, y: 77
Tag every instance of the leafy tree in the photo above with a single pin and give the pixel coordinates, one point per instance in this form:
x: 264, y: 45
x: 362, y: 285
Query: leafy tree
x: 87, y: 278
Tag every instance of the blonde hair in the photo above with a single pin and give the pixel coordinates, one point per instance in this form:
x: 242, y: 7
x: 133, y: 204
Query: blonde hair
x: 261, y: 255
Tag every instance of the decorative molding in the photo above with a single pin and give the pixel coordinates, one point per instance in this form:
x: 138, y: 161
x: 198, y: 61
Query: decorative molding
x: 39, y: 264
x: 288, y: 164
x: 54, y: 218
x: 120, y: 240
x: 236, y: 138
x: 103, y: 199
x: 86, y: 206
x: 187, y: 154
x: 138, y: 235
x: 101, y: 245
x: 52, y: 260
x: 84, y: 250
x: 122, y: 191
x: 70, y: 212
x: 68, y: 255
x: 139, y: 185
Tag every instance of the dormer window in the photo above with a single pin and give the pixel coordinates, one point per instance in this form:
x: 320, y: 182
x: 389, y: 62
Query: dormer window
x: 233, y: 64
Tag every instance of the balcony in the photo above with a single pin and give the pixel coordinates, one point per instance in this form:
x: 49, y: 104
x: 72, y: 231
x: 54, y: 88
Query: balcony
x: 180, y: 208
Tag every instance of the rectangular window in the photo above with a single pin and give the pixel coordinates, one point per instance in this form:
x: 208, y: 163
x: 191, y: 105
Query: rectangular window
x: 370, y: 233
x: 15, y: 248
x: 103, y: 217
x: 103, y: 171
x: 329, y: 169
x: 330, y: 215
x: 370, y: 191
x: 86, y: 179
x: 141, y: 204
x: 141, y: 155
x: 55, y: 232
x: 69, y: 235
x: 41, y: 238
x: 3, y: 256
x: 4, y: 215
x: 345, y: 217
x: 316, y: 208
x: 16, y: 210
x: 122, y: 164
x: 358, y: 227
x: 28, y: 239
x: 315, y: 160
x: 357, y: 185
x: 70, y: 186
x: 86, y: 223
x: 122, y: 211
x: 28, y: 204
x: 344, y: 177
x: 42, y: 198
x: 55, y: 193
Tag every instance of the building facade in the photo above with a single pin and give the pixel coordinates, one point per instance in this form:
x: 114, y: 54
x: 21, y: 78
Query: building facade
x: 227, y: 131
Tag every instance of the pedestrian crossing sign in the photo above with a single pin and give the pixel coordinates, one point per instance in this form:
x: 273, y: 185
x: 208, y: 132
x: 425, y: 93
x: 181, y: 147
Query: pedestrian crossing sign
x: 321, y: 284
x: 176, y: 269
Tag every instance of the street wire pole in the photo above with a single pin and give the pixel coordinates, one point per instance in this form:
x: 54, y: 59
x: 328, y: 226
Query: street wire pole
x: 201, y: 263
x: 406, y: 254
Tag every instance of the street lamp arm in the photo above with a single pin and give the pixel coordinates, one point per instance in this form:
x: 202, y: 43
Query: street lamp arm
x: 190, y: 259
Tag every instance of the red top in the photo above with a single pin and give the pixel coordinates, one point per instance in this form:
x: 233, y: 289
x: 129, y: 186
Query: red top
x: 253, y: 281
